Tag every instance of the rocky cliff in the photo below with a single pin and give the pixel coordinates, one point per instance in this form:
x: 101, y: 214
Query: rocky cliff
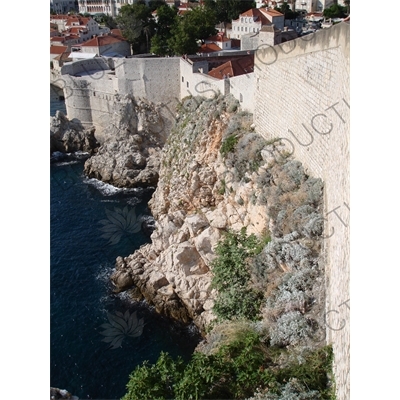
x: 129, y: 155
x: 133, y: 139
x: 217, y: 174
x: 70, y: 136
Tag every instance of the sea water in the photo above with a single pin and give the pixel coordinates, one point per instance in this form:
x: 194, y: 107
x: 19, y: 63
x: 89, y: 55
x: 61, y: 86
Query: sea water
x: 97, y: 336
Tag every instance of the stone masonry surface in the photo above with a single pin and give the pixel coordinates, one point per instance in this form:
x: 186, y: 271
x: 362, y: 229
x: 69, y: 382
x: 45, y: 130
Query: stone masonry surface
x: 302, y: 95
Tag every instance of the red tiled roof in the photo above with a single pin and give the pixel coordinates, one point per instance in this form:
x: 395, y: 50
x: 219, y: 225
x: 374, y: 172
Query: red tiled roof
x: 58, y: 49
x: 103, y: 41
x: 272, y: 12
x: 60, y: 16
x: 81, y: 20
x: 209, y: 48
x: 76, y: 29
x: 218, y: 38
x: 57, y: 39
x: 257, y: 15
x: 244, y: 65
x: 117, y: 32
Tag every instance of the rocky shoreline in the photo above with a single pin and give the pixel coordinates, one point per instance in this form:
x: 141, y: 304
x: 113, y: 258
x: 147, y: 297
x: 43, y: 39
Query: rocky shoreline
x: 202, y: 192
x: 215, y: 175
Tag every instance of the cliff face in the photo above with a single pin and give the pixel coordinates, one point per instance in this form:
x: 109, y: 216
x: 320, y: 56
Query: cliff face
x: 214, y: 175
x: 133, y: 138
x: 70, y: 136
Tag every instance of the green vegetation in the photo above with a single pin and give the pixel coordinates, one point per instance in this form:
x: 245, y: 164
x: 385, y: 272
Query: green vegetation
x: 228, y: 145
x: 166, y: 19
x: 106, y: 20
x: 137, y: 25
x: 228, y: 10
x: 335, y: 11
x: 278, y: 277
x: 231, y: 277
x: 234, y: 371
x: 188, y: 30
x: 287, y: 11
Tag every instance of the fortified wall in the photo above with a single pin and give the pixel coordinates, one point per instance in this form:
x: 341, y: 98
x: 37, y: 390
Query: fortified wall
x: 195, y: 82
x: 303, y: 96
x: 92, y: 87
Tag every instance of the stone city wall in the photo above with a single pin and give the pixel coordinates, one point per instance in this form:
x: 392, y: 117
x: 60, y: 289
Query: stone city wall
x: 303, y: 95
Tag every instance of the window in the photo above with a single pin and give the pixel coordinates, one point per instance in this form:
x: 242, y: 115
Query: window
x: 241, y: 20
x: 245, y: 20
x: 183, y: 79
x: 241, y: 98
x: 187, y: 84
x: 245, y: 29
x: 242, y: 29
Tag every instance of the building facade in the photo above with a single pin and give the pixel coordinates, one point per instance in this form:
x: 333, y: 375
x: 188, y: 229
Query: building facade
x: 251, y: 21
x: 108, y: 7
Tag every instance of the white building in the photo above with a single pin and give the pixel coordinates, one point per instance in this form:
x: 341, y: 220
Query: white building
x: 254, y: 19
x: 307, y: 6
x: 108, y: 7
x: 314, y: 5
x: 63, y: 6
x: 220, y: 40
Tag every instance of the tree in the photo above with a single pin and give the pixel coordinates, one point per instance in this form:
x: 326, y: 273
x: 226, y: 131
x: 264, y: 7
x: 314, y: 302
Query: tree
x: 155, y: 4
x: 166, y: 20
x: 287, y: 11
x: 137, y: 24
x: 106, y: 20
x: 347, y: 4
x: 228, y: 10
x: 335, y: 11
x: 195, y: 25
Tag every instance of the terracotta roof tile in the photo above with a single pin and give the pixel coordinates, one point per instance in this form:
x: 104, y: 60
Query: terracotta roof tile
x: 117, y: 32
x: 218, y: 38
x: 60, y: 16
x: 244, y: 65
x: 103, y: 41
x: 57, y: 39
x: 209, y: 48
x: 257, y: 15
x: 58, y: 49
x: 272, y: 13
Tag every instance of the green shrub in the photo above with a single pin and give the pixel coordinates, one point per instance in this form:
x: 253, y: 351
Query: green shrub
x: 154, y: 381
x: 291, y: 328
x: 235, y: 371
x: 228, y: 145
x: 231, y: 277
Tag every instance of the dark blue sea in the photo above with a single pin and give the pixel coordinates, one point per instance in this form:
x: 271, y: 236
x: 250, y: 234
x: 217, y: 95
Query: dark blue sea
x: 98, y: 337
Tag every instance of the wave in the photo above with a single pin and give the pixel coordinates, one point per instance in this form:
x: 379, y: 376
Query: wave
x: 104, y: 273
x: 104, y: 188
x: 60, y: 164
x: 68, y: 158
